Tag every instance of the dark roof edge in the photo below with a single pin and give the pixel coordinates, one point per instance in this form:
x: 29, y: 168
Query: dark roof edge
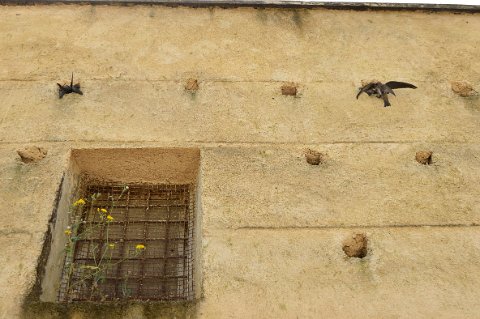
x: 266, y: 4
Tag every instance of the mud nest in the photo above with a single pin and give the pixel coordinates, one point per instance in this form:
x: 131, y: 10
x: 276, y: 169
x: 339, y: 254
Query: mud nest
x: 365, y: 82
x: 313, y: 157
x: 32, y: 154
x: 463, y: 88
x: 191, y: 85
x: 424, y: 157
x: 289, y: 89
x: 356, y: 246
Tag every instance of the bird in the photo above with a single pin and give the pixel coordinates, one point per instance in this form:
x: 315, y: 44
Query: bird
x: 67, y: 89
x: 381, y: 90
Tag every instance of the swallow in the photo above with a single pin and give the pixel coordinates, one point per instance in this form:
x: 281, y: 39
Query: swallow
x: 381, y: 90
x: 67, y: 89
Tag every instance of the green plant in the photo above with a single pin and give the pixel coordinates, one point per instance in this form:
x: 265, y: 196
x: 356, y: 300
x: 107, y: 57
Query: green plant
x: 89, y: 277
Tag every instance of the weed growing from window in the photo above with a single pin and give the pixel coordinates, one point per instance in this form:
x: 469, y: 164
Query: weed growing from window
x: 90, y: 277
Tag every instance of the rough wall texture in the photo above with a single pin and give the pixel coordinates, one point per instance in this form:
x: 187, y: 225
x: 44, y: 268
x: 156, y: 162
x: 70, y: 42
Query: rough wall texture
x: 273, y: 226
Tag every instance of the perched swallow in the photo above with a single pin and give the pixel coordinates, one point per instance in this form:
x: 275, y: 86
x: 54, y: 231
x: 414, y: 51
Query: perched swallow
x: 381, y: 90
x: 67, y: 89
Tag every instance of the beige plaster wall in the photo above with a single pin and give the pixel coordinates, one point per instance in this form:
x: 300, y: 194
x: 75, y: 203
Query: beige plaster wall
x: 272, y: 225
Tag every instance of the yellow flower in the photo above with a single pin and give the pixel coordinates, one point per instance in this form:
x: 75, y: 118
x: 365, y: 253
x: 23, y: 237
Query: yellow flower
x: 140, y: 247
x: 110, y: 218
x: 68, y: 232
x: 111, y: 245
x: 81, y: 201
x: 103, y: 210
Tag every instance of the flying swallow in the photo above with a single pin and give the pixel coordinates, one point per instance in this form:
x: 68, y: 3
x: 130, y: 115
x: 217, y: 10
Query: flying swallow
x: 381, y: 90
x: 67, y: 89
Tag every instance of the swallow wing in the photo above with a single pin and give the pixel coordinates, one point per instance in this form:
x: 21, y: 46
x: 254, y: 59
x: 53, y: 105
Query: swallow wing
x: 61, y: 90
x: 76, y: 89
x: 400, y: 85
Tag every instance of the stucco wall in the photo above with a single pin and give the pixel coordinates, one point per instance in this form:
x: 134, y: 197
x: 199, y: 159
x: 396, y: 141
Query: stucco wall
x: 272, y: 225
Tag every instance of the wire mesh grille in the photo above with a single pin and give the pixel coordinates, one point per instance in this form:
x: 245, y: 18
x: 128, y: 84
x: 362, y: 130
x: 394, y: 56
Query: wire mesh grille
x: 143, y: 251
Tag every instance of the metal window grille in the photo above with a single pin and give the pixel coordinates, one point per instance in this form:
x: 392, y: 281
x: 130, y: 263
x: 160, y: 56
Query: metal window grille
x: 106, y: 263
